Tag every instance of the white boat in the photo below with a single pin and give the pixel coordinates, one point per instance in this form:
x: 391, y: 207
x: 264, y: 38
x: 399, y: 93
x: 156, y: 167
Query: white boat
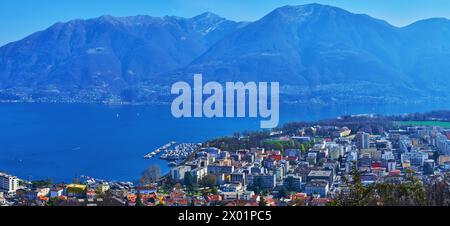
x: 159, y: 150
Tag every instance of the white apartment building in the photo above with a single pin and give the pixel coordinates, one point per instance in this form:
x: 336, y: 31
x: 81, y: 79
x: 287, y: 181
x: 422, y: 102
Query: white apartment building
x: 8, y: 183
x: 443, y: 144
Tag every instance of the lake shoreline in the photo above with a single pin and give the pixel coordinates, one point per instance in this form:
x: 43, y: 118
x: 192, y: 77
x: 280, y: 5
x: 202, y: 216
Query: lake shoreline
x: 37, y: 140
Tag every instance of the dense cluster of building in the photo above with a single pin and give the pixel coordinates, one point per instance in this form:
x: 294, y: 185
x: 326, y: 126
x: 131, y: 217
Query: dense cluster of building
x: 316, y: 175
x: 312, y: 175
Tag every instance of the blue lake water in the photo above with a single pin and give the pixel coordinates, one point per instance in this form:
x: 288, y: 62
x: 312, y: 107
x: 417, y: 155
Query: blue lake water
x: 63, y: 141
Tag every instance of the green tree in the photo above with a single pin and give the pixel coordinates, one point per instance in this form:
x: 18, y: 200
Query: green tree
x: 215, y: 191
x: 167, y: 184
x: 139, y: 199
x: 41, y: 183
x: 190, y: 182
x: 209, y: 180
x: 53, y: 202
x: 257, y: 185
x: 283, y: 192
x: 303, y: 149
x: 438, y: 192
x: 410, y: 192
x: 290, y: 184
x: 278, y: 146
x: 358, y: 194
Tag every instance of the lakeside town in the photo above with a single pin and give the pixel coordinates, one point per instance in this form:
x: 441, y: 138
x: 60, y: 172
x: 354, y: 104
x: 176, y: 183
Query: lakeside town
x: 351, y: 160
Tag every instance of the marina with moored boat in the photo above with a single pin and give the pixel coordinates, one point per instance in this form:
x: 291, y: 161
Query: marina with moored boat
x: 174, y: 153
x: 180, y: 151
x: 159, y: 150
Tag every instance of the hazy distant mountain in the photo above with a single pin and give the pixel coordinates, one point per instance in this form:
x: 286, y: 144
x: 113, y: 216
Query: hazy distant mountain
x: 426, y: 54
x: 104, y: 56
x: 318, y: 53
x: 327, y: 52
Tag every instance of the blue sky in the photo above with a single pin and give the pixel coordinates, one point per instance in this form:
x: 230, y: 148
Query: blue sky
x: 19, y: 18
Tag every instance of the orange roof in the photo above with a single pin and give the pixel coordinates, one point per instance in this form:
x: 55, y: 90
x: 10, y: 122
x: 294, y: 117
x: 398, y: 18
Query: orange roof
x: 43, y: 198
x: 132, y: 197
x: 214, y: 197
x: 183, y: 202
x: 300, y: 195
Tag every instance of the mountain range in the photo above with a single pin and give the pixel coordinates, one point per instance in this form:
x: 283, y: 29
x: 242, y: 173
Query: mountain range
x: 318, y: 53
